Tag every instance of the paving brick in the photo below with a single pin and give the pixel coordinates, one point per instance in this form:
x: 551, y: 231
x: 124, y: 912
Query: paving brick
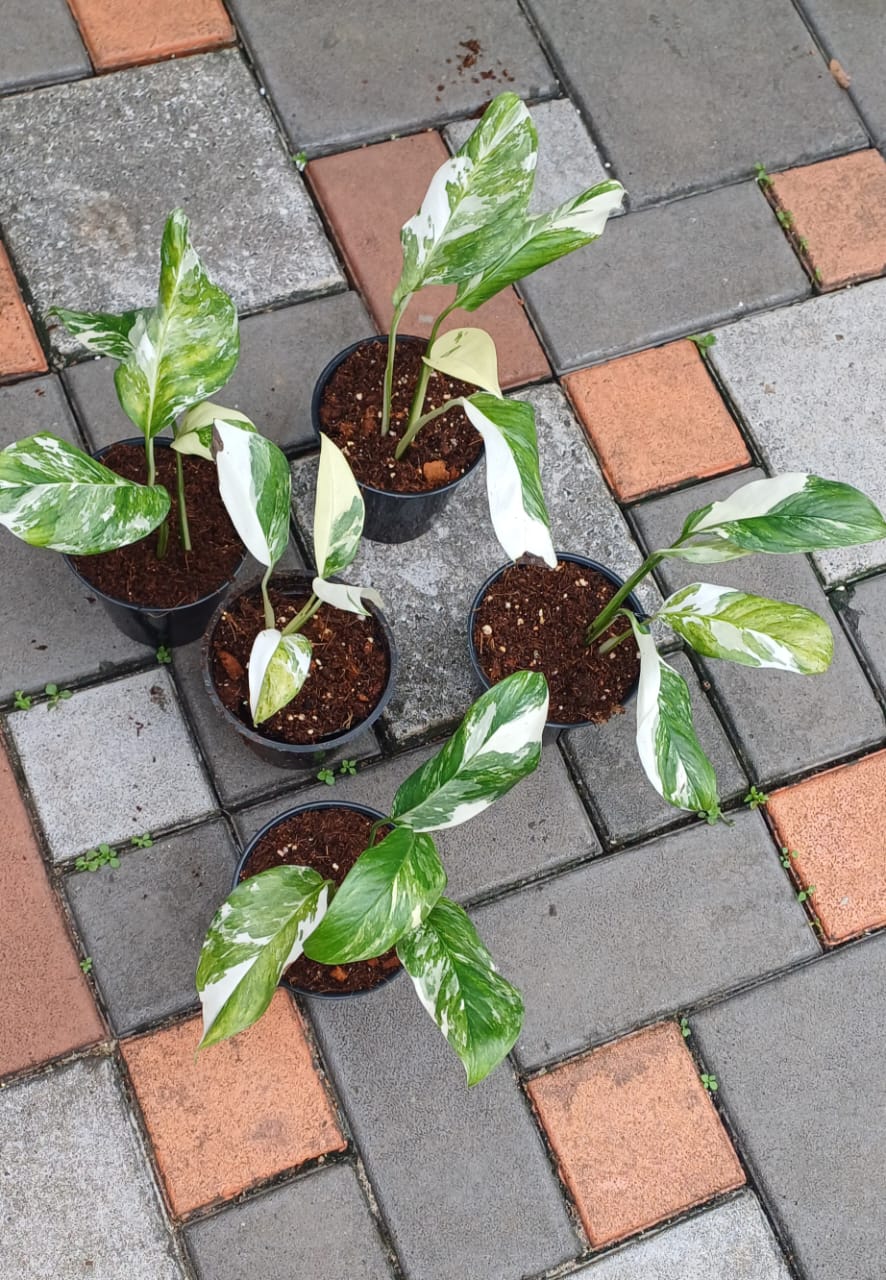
x: 783, y: 723
x: 156, y: 780
x: 854, y: 32
x: 46, y: 1007
x: 93, y: 168
x: 864, y: 614
x: 636, y: 1137
x: 367, y: 195
x: 357, y: 84
x: 712, y: 90
x: 731, y: 1242
x: 77, y: 1186
x: 245, y: 1110
x: 428, y: 587
x: 316, y: 1226
x: 605, y: 759
x: 439, y: 1153
x: 797, y: 377
x: 799, y: 1062
x: 40, y: 44
x: 157, y: 903
x: 119, y: 34
x: 20, y: 352
x: 644, y: 933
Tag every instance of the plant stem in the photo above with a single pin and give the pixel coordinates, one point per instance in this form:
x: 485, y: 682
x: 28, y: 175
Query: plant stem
x: 418, y: 399
x: 605, y: 617
x: 301, y: 618
x: 270, y: 620
x: 182, y: 505
x: 613, y: 642
x: 163, y: 532
x: 389, y: 367
x: 413, y: 431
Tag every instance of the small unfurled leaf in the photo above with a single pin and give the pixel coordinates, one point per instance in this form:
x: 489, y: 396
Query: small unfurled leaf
x: 99, y: 331
x: 255, y: 485
x: 342, y: 596
x: 338, y: 512
x: 254, y: 937
x: 278, y: 667
x: 194, y: 435
x: 469, y: 355
x: 389, y: 890
x: 497, y: 744
x: 478, y: 1011
x: 54, y: 495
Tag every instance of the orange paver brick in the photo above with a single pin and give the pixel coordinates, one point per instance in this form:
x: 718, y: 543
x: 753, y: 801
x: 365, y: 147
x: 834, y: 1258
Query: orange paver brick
x: 120, y: 33
x: 835, y: 824
x: 839, y: 207
x: 367, y: 195
x: 635, y: 1134
x: 656, y: 419
x: 243, y: 1111
x: 46, y: 1007
x: 20, y: 351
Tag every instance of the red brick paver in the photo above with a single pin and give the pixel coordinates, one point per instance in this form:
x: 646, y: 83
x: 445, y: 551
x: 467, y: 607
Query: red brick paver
x: 120, y: 33
x: 20, y: 351
x: 839, y: 207
x: 656, y: 419
x: 367, y: 195
x: 242, y: 1112
x: 835, y: 824
x: 636, y: 1135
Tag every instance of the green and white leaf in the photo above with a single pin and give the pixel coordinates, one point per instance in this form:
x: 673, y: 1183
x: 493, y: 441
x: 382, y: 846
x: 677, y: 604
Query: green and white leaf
x: 389, y: 890
x: 467, y: 354
x: 479, y: 1012
x: 669, y: 750
x: 278, y: 667
x: 751, y: 630
x: 497, y: 744
x: 254, y: 937
x: 513, y: 479
x: 338, y: 512
x: 343, y: 596
x: 255, y: 485
x: 100, y: 331
x: 194, y: 434
x: 54, y: 495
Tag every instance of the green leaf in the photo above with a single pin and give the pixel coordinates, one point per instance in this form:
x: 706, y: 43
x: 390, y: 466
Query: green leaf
x: 752, y: 630
x: 342, y: 596
x: 54, y: 495
x: 389, y: 890
x: 99, y: 331
x: 278, y: 668
x: 338, y: 512
x: 497, y: 744
x: 513, y: 479
x: 478, y: 1011
x: 255, y: 485
x: 254, y: 937
x: 194, y: 434
x: 469, y: 355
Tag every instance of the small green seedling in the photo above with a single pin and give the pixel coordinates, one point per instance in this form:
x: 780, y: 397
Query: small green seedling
x: 56, y: 695
x: 703, y: 340
x: 327, y: 776
x: 95, y: 859
x: 348, y: 767
x: 22, y: 700
x: 164, y: 655
x: 754, y: 799
x: 817, y: 274
x: 300, y: 160
x: 685, y: 1029
x: 786, y: 855
x: 805, y: 894
x: 86, y: 964
x: 142, y: 842
x: 785, y: 217
x: 709, y: 1082
x: 761, y: 175
x: 802, y: 244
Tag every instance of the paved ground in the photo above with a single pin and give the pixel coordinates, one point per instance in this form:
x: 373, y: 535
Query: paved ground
x: 337, y: 1142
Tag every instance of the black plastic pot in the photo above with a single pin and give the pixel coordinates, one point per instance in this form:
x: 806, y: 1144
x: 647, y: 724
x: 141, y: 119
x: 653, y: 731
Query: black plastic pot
x: 154, y: 627
x: 269, y: 826
x: 286, y: 755
x: 390, y: 517
x: 553, y: 728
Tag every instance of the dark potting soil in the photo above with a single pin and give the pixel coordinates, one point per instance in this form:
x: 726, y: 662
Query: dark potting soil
x: 134, y: 574
x: 534, y: 619
x: 329, y: 840
x: 350, y: 414
x: 348, y: 673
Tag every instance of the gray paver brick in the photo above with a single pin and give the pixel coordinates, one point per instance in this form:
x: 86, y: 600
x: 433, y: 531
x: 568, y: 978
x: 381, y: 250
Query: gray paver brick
x: 865, y: 616
x: 662, y: 273
x: 643, y: 933
x: 854, y: 32
x: 113, y: 761
x: 157, y: 903
x: 316, y: 1226
x: 357, y: 84
x: 811, y: 383
x: 460, y: 1175
x: 77, y: 1195
x: 732, y: 1242
x: 801, y: 1071
x: 40, y: 44
x: 92, y: 169
x: 784, y: 723
x: 712, y: 89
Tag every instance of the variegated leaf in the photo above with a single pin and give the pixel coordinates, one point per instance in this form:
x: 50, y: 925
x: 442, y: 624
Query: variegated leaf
x: 513, y: 481
x: 338, y: 512
x: 194, y: 434
x: 99, y: 331
x: 497, y: 744
x: 467, y: 354
x: 389, y: 890
x: 254, y: 937
x: 751, y: 630
x: 478, y: 1011
x: 343, y: 596
x: 54, y: 495
x: 278, y: 667
x: 255, y: 485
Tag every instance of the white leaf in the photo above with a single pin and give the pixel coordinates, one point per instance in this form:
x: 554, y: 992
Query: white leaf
x: 255, y: 485
x: 469, y: 355
x: 338, y: 512
x: 278, y: 667
x: 342, y: 596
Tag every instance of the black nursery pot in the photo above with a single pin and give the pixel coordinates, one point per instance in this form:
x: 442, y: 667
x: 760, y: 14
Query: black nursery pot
x: 291, y: 755
x: 154, y: 627
x: 390, y: 517
x: 332, y: 994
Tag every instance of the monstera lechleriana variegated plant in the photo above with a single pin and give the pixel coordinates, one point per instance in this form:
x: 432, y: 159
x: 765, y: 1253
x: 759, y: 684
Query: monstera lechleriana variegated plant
x: 392, y: 896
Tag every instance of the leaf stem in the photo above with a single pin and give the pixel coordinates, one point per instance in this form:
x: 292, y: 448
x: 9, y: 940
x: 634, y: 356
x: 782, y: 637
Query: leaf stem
x: 182, y: 503
x: 410, y: 434
x: 614, y: 641
x: 605, y: 617
x: 270, y: 620
x: 389, y: 366
x: 149, y: 457
x: 302, y: 617
x: 418, y: 399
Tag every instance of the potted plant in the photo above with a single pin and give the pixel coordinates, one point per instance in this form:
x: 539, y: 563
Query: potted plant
x: 326, y: 890
x: 576, y: 619
x: 101, y: 511
x: 401, y: 409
